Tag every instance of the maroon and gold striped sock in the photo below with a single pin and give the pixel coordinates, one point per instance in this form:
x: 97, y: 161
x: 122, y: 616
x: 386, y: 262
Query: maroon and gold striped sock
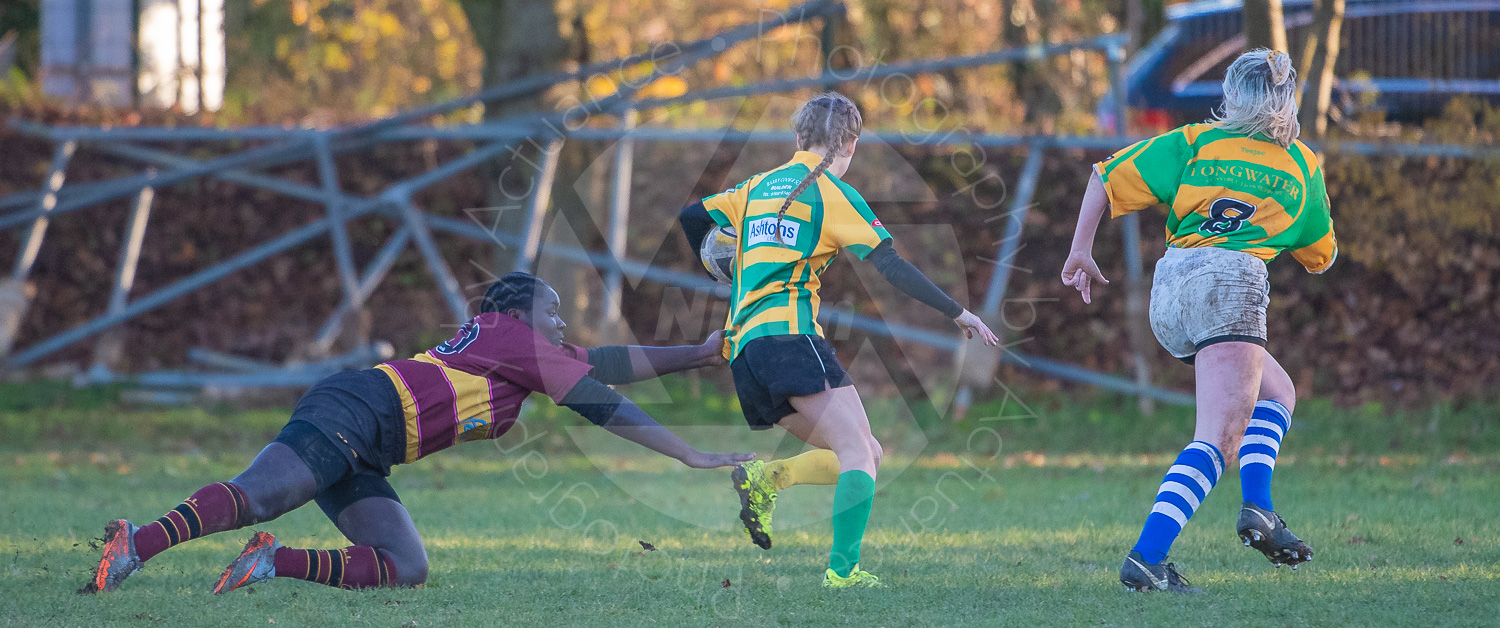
x: 354, y: 567
x: 218, y: 507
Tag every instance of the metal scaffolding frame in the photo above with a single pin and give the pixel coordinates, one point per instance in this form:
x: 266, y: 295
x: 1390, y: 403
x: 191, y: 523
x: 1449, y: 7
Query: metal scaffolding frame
x: 417, y: 227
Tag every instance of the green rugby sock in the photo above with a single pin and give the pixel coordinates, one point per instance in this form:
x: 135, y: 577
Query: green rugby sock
x: 851, y: 511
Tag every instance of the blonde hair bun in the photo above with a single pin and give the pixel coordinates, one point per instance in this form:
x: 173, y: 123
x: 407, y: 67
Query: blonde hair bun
x: 1260, y: 97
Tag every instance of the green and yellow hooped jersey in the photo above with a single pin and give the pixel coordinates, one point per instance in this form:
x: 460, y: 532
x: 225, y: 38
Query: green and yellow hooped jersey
x: 776, y: 283
x: 1229, y: 191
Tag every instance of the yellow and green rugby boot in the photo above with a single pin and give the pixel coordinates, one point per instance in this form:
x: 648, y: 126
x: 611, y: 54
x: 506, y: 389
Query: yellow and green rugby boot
x: 857, y: 578
x: 757, y: 499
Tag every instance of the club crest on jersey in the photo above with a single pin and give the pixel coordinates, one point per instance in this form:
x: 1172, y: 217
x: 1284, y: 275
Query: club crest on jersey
x: 764, y: 230
x: 466, y: 334
x: 474, y: 429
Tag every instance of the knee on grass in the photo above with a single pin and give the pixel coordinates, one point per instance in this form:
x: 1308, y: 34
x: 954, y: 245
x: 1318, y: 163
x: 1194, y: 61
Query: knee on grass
x: 411, y: 568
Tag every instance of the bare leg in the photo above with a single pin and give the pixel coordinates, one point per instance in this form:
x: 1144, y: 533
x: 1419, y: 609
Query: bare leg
x: 838, y: 419
x: 385, y: 524
x: 1229, y: 379
x: 276, y: 482
x: 804, y: 429
x: 835, y: 419
x: 1229, y: 376
x: 1259, y: 526
x: 1276, y: 385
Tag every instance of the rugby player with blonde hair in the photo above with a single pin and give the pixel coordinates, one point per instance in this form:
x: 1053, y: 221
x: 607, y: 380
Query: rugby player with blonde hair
x: 1240, y: 190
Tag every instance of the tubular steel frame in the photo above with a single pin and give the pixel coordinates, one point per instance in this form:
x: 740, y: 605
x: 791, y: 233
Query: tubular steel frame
x: 417, y: 227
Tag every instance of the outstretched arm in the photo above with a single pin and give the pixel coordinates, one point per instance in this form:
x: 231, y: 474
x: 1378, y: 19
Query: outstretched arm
x: 620, y: 364
x: 612, y: 411
x: 1080, y: 270
x: 911, y: 282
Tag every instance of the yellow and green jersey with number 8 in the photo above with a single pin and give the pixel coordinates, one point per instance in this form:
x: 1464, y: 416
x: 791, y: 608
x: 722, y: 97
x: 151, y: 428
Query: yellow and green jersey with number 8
x: 1229, y: 191
x: 776, y: 283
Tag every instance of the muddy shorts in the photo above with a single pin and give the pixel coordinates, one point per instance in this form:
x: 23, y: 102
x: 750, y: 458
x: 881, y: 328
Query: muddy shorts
x: 1207, y: 295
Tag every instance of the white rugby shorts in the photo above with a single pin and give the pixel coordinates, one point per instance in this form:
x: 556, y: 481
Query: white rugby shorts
x: 1207, y: 295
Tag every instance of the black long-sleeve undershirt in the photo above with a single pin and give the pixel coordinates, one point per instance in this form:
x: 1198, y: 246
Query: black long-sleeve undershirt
x: 611, y: 364
x: 909, y: 280
x: 596, y: 402
x: 696, y: 223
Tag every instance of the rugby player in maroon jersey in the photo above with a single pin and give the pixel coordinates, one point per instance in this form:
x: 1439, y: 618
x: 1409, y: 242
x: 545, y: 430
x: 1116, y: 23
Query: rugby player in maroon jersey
x: 349, y: 429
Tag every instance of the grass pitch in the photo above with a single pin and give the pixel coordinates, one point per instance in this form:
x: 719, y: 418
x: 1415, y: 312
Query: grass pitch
x: 550, y: 539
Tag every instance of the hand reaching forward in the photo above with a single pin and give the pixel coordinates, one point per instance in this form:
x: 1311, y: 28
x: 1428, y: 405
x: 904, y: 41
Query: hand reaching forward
x: 706, y: 460
x: 971, y: 323
x: 713, y: 349
x: 1080, y: 271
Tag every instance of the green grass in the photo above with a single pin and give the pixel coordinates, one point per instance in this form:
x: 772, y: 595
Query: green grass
x: 54, y: 415
x: 1038, y: 543
x: 545, y: 533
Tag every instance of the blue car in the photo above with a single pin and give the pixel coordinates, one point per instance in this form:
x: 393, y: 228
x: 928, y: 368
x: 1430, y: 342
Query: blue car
x: 1406, y: 58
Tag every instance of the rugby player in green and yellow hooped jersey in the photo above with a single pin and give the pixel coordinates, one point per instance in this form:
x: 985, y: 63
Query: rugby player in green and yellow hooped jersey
x: 792, y: 221
x: 1240, y: 190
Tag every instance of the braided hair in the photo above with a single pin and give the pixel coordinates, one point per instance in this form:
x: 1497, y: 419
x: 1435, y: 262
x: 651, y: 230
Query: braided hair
x: 515, y: 290
x: 831, y: 121
x: 1260, y: 97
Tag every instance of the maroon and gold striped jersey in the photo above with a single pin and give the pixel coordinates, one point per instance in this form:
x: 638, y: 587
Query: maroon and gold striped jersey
x: 471, y: 387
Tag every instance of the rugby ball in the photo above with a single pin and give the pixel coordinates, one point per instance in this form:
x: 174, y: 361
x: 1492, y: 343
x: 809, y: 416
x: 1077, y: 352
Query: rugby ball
x: 718, y: 251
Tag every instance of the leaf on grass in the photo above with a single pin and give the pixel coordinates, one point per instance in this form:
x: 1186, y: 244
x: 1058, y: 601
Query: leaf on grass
x: 726, y: 583
x: 647, y: 546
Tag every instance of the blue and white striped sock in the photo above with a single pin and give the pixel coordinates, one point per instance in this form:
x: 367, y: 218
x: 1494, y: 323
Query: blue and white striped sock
x: 1268, y: 424
x: 1189, y: 480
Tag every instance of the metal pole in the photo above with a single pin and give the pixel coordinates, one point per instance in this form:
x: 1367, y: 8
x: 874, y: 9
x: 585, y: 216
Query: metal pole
x: 452, y: 291
x: 828, y: 314
x: 1135, y: 285
x: 258, y: 181
x: 211, y: 358
x: 182, y: 286
x: 827, y: 41
x: 994, y: 295
x: 110, y: 348
x: 15, y: 293
x: 61, y: 155
x: 374, y: 273
x: 980, y: 363
x: 619, y: 218
x: 351, y: 138
x: 536, y: 207
x: 343, y: 254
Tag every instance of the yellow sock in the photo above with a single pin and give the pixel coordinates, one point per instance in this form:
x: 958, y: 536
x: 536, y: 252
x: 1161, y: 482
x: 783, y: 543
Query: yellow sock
x: 818, y: 466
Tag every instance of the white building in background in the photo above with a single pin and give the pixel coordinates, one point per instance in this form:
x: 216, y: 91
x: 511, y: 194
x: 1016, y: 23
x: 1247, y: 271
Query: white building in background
x: 169, y: 54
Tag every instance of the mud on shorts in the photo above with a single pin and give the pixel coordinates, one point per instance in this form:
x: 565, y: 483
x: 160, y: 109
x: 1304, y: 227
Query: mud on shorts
x: 1207, y: 295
